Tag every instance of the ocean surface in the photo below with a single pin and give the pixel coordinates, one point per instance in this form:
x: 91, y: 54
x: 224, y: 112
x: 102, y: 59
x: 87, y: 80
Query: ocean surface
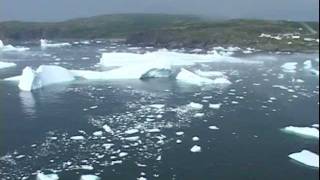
x: 153, y: 130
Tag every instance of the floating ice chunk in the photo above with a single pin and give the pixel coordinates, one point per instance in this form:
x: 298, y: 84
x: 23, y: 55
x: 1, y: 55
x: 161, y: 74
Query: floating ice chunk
x: 213, y: 128
x: 306, y: 157
x: 133, y: 138
x: 191, y: 78
x: 195, y: 138
x: 180, y: 133
x: 123, y: 154
x: 45, y: 75
x: 209, y: 73
x: 154, y: 130
x: 303, y: 131
x: 107, y: 129
x: 46, y: 44
x: 289, y: 67
x: 6, y: 65
x: 107, y: 146
x: 89, y: 177
x: 98, y: 133
x: 41, y: 176
x: 195, y: 149
x: 141, y: 178
x: 131, y: 131
x: 77, y: 138
x: 86, y: 167
x: 198, y: 115
x: 215, y: 106
x: 158, y: 106
x: 194, y: 106
x: 307, y: 64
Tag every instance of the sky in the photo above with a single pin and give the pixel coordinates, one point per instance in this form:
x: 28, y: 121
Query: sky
x: 59, y: 10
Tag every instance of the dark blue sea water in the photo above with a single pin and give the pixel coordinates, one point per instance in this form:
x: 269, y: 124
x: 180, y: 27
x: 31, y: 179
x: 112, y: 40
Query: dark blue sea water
x: 36, y: 127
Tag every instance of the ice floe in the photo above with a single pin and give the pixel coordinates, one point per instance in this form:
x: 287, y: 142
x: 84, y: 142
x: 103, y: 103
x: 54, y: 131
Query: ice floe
x: 6, y: 65
x: 47, y: 44
x: 303, y: 131
x: 306, y: 157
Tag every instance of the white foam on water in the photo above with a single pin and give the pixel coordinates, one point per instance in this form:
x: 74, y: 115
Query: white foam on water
x: 306, y: 157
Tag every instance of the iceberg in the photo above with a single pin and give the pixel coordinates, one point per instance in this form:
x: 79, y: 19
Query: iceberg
x: 46, y: 44
x: 41, y: 176
x: 45, y: 75
x: 306, y: 157
x: 9, y: 47
x: 303, y: 131
x: 191, y: 78
x: 6, y: 65
x: 289, y: 67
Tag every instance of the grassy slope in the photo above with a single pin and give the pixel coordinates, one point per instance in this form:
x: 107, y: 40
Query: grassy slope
x: 166, y: 31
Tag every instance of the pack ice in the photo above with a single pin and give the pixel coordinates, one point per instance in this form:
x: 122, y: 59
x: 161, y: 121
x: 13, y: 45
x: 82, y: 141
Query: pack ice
x: 45, y: 75
x: 306, y: 157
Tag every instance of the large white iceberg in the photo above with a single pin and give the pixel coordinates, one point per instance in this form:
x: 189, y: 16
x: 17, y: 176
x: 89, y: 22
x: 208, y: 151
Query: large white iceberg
x: 9, y: 47
x: 46, y: 44
x: 6, y: 65
x: 45, y: 75
x: 303, y: 131
x: 306, y: 157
